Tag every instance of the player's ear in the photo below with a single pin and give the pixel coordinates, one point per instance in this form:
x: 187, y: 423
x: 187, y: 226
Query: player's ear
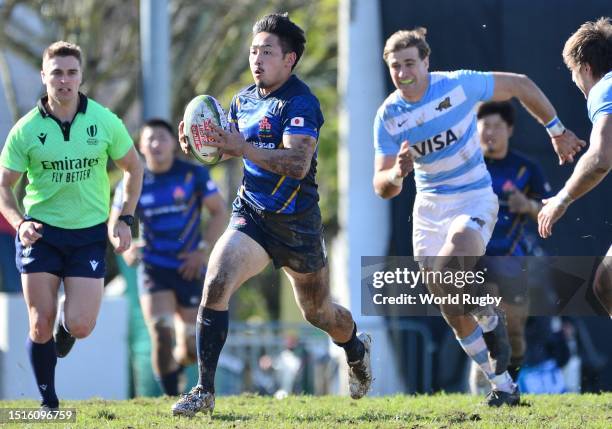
x: 510, y: 131
x: 291, y: 58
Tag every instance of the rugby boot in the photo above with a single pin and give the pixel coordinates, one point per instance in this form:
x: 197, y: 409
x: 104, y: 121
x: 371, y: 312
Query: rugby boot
x: 360, y: 372
x: 197, y: 400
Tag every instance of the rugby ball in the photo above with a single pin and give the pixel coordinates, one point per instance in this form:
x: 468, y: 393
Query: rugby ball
x: 202, y: 111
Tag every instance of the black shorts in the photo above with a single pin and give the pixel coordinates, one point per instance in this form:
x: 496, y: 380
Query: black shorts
x: 152, y: 278
x: 294, y: 241
x: 65, y: 252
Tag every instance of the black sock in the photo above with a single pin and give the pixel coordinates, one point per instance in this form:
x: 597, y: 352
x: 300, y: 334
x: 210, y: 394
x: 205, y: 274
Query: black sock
x: 211, y: 332
x: 43, y: 360
x: 169, y: 382
x: 354, y: 347
x: 513, y: 370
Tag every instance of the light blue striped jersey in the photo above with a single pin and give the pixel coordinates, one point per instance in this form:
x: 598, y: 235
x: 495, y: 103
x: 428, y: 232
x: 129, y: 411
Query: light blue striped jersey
x: 441, y: 129
x: 599, y: 101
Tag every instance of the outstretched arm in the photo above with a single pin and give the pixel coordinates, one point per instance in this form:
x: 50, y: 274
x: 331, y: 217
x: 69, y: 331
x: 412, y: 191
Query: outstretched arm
x: 509, y: 85
x: 590, y: 170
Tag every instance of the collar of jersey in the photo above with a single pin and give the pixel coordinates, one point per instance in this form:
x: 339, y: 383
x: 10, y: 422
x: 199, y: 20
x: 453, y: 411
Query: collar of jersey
x: 42, y: 108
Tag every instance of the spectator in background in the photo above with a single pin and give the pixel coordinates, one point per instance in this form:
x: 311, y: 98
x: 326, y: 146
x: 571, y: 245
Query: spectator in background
x: 9, y: 279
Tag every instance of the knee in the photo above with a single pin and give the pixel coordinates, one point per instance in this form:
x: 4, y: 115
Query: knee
x: 80, y: 328
x: 162, y: 328
x: 41, y: 327
x: 216, y: 290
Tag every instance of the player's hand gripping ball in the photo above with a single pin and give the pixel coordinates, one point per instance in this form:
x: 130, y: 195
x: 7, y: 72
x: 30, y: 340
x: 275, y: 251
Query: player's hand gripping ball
x: 199, y: 114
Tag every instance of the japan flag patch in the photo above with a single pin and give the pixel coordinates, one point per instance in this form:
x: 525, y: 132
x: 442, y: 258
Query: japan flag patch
x: 298, y: 121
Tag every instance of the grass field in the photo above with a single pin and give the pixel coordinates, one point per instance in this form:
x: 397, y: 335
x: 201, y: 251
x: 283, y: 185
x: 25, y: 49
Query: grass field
x: 438, y: 411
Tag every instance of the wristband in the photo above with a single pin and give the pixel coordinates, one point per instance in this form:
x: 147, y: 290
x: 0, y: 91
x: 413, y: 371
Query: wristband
x: 555, y: 128
x: 565, y: 199
x: 203, y: 245
x: 394, y: 180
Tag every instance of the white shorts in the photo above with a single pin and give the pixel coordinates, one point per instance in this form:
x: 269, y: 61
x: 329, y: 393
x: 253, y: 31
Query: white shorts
x: 434, y: 215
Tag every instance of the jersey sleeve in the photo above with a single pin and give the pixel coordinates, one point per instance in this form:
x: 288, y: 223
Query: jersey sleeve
x: 232, y: 114
x: 539, y: 186
x: 303, y: 115
x: 600, y: 103
x: 121, y: 142
x: 204, y: 183
x: 478, y: 86
x: 384, y: 144
x: 14, y: 156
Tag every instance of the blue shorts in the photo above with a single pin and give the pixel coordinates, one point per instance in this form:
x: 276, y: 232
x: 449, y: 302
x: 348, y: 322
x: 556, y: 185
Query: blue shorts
x: 65, y: 252
x: 152, y: 278
x: 294, y: 241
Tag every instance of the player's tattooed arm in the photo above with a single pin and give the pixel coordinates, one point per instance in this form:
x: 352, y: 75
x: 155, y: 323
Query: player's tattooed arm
x: 292, y: 159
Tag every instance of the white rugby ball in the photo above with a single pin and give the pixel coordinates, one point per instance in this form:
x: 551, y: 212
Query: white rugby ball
x: 199, y: 114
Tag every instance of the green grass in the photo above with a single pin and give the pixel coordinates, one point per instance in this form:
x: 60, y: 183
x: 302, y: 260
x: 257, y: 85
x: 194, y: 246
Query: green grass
x: 438, y: 411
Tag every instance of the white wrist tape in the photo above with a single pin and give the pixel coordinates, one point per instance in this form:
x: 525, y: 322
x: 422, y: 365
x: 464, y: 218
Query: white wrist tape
x: 555, y: 128
x: 394, y: 180
x: 564, y: 198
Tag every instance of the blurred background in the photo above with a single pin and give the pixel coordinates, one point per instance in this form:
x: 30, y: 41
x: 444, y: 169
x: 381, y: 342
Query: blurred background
x: 149, y: 58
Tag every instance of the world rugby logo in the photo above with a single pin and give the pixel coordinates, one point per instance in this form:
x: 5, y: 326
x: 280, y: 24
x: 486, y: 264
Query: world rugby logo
x: 92, y: 132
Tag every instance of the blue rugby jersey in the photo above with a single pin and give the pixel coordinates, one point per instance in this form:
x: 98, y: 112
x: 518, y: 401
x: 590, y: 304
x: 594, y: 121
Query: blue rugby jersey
x: 263, y: 120
x: 599, y: 101
x: 441, y: 129
x: 170, y: 209
x: 512, y: 235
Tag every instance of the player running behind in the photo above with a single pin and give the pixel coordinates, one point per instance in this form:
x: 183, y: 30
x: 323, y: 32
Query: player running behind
x: 429, y: 123
x: 174, y: 251
x: 588, y: 55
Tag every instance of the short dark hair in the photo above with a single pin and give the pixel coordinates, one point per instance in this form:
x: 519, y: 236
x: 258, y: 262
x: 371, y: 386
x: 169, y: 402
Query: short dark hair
x: 591, y: 44
x: 291, y: 36
x: 502, y: 108
x: 158, y: 122
x: 62, y: 49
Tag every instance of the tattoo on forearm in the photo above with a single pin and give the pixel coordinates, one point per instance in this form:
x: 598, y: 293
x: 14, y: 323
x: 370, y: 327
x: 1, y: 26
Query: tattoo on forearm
x: 289, y: 162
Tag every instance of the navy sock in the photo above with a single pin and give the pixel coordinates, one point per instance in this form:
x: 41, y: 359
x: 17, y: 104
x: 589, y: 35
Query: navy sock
x: 354, y: 348
x: 211, y: 332
x: 43, y: 360
x: 169, y: 382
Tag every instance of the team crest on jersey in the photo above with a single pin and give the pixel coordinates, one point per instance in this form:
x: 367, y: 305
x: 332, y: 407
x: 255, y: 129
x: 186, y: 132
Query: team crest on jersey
x: 265, y: 128
x: 178, y: 194
x: 444, y: 104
